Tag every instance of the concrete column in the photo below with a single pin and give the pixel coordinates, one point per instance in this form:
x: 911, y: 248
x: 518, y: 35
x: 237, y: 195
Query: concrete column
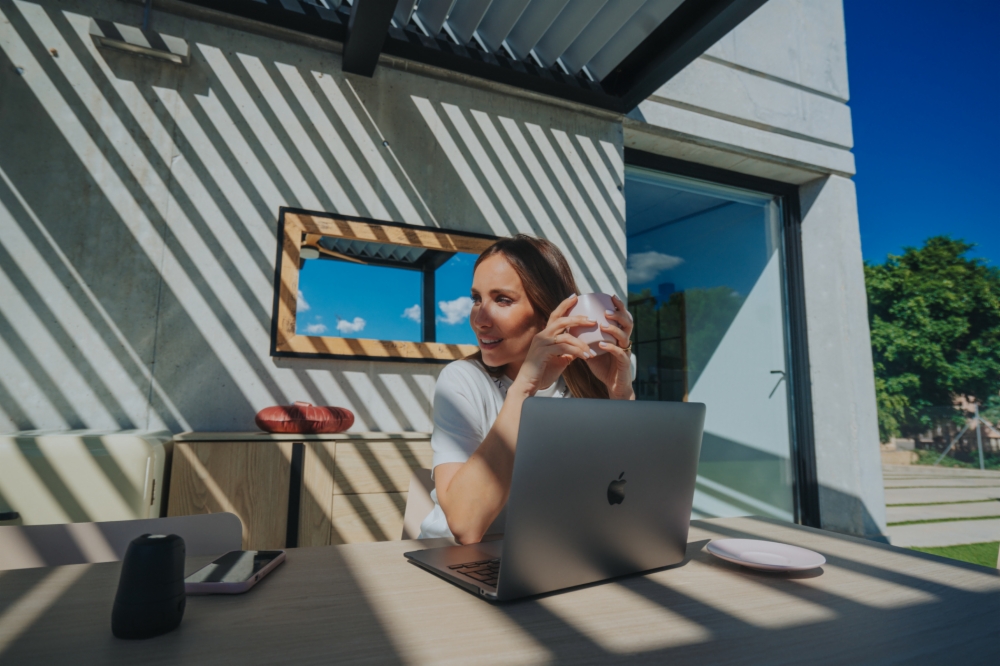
x: 843, y: 385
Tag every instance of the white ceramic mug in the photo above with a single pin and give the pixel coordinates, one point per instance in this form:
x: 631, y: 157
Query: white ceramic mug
x: 595, y: 307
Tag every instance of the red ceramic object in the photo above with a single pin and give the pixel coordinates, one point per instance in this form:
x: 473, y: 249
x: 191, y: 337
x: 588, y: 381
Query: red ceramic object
x: 304, y: 419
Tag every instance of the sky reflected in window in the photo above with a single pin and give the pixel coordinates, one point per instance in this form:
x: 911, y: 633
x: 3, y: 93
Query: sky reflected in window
x: 349, y: 300
x: 452, y: 289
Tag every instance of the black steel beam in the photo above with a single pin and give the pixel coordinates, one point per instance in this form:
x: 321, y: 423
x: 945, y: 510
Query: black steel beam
x: 366, y: 33
x: 687, y: 33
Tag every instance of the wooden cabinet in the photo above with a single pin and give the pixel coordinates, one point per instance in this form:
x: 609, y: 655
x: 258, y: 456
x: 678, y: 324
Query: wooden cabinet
x: 249, y: 479
x: 351, y: 487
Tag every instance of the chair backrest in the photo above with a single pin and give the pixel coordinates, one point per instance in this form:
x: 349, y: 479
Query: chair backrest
x: 29, y: 546
x: 418, y: 502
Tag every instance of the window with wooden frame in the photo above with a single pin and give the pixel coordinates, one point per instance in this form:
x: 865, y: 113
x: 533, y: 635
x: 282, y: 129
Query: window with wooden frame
x: 356, y: 288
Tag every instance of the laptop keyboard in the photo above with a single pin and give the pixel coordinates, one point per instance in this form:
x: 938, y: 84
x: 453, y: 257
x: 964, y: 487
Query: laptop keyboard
x: 484, y: 571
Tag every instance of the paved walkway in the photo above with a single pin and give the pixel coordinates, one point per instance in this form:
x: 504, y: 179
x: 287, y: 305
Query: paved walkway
x: 924, y: 482
x: 928, y: 494
x: 921, y: 492
x: 904, y: 514
x: 951, y: 533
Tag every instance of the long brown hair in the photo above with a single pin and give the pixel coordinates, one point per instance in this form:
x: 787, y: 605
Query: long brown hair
x: 547, y: 281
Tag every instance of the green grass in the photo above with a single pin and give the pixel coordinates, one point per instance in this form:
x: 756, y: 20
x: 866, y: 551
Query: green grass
x: 983, y: 554
x: 925, y: 457
x: 941, y: 520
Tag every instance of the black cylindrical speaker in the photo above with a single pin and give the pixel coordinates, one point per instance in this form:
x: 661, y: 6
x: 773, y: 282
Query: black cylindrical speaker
x: 150, y: 598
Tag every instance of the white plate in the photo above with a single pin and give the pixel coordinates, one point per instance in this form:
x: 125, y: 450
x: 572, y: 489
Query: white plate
x: 766, y: 555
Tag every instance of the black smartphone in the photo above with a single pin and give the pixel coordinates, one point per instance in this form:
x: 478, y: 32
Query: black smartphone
x: 233, y: 573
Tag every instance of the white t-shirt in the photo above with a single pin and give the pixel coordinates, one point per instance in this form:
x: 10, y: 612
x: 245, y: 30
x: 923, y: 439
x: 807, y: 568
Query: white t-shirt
x: 467, y: 401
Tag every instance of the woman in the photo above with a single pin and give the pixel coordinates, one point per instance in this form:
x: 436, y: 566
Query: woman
x: 522, y: 292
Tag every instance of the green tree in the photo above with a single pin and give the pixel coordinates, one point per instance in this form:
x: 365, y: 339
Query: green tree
x: 991, y: 410
x: 935, y: 325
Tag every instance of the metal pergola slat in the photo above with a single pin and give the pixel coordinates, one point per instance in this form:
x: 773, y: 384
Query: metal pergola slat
x: 466, y: 17
x: 566, y: 29
x: 598, y: 32
x: 499, y: 20
x: 532, y: 26
x: 639, y: 26
x: 432, y: 14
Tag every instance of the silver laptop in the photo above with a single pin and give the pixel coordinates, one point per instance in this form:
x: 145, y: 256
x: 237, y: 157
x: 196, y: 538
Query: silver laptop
x: 601, y: 488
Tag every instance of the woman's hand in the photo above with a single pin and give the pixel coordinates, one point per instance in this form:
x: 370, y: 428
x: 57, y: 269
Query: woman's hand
x: 473, y: 493
x: 553, y: 349
x: 615, y: 367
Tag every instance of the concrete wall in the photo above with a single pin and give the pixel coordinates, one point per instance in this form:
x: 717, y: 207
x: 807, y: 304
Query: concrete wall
x: 769, y: 100
x: 848, y: 461
x: 138, y: 206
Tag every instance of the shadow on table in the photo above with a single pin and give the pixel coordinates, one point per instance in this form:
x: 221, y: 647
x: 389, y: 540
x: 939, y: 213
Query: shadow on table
x: 949, y: 624
x: 669, y: 616
x: 236, y: 629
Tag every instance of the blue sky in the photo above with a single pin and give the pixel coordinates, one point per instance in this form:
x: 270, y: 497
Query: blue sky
x: 355, y: 301
x: 925, y: 101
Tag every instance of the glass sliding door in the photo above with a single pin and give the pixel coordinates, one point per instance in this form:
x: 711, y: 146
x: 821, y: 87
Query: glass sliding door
x: 705, y: 283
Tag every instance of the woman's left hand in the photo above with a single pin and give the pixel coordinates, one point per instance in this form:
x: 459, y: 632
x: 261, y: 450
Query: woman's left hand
x: 615, y: 367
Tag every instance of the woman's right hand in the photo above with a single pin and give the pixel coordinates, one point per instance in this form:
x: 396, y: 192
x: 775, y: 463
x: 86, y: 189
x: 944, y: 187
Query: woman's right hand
x: 553, y: 349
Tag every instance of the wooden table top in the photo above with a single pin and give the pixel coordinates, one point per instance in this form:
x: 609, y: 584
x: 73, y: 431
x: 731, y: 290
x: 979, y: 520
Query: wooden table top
x: 870, y: 603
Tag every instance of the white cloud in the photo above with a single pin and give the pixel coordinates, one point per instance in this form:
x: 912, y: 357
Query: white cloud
x: 645, y: 266
x: 355, y: 326
x: 412, y: 313
x: 456, y: 311
x: 300, y: 303
x: 316, y: 329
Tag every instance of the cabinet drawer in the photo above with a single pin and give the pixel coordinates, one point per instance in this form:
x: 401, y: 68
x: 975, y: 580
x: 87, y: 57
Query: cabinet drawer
x: 249, y: 479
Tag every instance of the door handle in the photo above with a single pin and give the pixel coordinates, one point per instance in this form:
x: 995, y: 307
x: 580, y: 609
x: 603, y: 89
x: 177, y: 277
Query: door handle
x: 780, y: 379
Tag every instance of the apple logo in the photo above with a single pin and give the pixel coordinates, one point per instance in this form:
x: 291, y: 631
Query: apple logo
x: 616, y: 490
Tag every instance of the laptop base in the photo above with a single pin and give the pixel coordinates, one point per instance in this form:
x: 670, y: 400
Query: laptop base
x: 439, y: 561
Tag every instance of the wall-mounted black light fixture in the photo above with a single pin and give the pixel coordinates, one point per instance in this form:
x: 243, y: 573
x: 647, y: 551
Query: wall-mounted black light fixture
x: 143, y: 40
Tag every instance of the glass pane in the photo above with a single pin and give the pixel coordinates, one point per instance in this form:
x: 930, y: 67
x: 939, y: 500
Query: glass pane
x: 352, y: 300
x: 452, y: 286
x: 705, y: 288
x: 365, y: 289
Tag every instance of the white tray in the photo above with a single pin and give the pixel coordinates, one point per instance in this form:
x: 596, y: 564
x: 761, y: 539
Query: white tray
x: 766, y: 555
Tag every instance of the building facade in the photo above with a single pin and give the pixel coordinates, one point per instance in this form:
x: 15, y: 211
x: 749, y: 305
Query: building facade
x: 138, y: 236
